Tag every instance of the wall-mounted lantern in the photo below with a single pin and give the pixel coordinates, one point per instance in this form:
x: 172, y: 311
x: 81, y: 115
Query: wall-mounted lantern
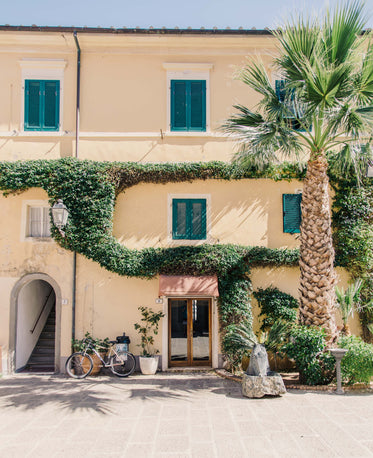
x: 60, y: 215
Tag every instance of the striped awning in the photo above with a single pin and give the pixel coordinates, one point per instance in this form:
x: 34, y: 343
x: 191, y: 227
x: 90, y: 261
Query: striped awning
x: 187, y: 285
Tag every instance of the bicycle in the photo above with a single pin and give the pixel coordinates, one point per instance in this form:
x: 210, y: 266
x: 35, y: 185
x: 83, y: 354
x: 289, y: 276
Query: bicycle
x: 80, y: 364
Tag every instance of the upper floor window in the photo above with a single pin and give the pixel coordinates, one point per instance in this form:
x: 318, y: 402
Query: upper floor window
x: 42, y: 84
x: 280, y: 92
x: 189, y: 219
x: 42, y: 105
x: 188, y: 105
x: 188, y: 97
x: 291, y: 212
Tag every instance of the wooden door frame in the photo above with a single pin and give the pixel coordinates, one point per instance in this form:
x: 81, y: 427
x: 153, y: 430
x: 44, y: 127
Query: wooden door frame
x: 189, y: 362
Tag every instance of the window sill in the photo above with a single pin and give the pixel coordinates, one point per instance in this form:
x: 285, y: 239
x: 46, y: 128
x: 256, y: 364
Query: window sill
x: 184, y: 242
x: 38, y: 239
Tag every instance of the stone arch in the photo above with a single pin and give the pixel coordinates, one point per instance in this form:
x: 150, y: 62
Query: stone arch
x: 25, y: 280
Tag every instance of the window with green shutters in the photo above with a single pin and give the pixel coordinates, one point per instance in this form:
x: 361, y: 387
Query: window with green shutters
x: 280, y: 92
x: 189, y: 219
x: 291, y: 212
x: 42, y: 105
x: 188, y: 105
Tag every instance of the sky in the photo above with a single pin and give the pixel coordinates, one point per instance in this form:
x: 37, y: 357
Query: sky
x: 160, y: 13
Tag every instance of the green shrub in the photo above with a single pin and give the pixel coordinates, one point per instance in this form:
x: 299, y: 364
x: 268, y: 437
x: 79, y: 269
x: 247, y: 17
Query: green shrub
x: 357, y: 364
x: 100, y: 345
x: 275, y: 305
x: 308, y: 349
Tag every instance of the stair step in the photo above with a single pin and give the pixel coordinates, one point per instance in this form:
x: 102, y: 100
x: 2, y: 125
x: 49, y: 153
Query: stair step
x: 39, y: 350
x: 49, y: 328
x: 40, y: 359
x: 47, y: 335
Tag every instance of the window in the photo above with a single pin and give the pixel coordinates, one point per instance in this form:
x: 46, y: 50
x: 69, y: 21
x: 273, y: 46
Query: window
x: 189, y: 219
x: 188, y: 98
x: 42, y: 105
x: 38, y: 222
x: 188, y: 105
x: 291, y: 212
x: 280, y: 92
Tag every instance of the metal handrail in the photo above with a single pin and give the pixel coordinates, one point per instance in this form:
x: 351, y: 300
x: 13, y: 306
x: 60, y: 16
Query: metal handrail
x: 41, y: 312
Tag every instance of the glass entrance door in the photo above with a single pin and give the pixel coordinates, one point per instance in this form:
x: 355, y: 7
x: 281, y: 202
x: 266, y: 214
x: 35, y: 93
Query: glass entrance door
x: 189, y: 332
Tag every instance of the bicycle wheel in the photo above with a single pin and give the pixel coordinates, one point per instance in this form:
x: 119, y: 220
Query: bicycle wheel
x: 122, y: 364
x: 79, y: 365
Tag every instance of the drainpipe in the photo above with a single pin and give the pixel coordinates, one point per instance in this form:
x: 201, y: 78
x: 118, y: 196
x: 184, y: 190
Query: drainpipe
x: 77, y: 94
x: 77, y: 157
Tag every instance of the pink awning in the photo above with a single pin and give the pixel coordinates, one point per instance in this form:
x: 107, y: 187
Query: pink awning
x: 185, y: 285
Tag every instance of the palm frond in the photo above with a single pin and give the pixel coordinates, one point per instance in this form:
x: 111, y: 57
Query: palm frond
x: 351, y: 160
x: 341, y: 31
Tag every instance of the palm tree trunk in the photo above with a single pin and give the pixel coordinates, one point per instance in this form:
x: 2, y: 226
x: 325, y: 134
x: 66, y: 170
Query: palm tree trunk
x: 317, y: 280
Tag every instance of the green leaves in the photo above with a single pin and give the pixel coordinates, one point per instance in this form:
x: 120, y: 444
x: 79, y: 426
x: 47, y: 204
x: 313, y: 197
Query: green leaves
x: 147, y: 329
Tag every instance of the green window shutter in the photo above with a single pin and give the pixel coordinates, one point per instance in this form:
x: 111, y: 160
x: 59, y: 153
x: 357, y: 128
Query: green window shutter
x: 42, y: 105
x: 189, y: 219
x: 188, y: 105
x: 179, y: 219
x: 291, y: 212
x: 197, y: 105
x: 178, y: 105
x: 197, y: 215
x: 32, y: 105
x: 51, y: 105
x: 280, y: 89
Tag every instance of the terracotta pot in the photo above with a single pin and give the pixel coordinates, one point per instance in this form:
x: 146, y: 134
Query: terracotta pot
x: 97, y: 364
x: 148, y: 364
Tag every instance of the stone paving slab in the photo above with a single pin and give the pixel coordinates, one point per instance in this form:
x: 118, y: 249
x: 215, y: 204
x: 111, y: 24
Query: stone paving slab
x: 176, y: 416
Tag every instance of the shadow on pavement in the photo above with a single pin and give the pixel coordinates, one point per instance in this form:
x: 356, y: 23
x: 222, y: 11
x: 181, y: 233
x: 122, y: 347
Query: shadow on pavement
x: 102, y: 394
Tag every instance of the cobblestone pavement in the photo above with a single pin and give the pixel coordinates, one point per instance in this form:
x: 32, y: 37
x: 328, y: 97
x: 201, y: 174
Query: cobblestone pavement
x: 176, y: 415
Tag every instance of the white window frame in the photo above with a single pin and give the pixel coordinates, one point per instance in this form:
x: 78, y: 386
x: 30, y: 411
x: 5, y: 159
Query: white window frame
x: 178, y: 242
x: 177, y: 71
x: 25, y: 222
x: 42, y: 69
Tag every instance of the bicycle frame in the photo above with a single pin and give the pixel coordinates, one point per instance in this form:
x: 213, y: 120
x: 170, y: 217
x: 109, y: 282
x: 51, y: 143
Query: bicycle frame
x: 122, y: 356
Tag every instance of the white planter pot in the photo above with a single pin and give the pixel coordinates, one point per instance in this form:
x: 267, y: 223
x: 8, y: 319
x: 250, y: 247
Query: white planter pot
x: 148, y: 364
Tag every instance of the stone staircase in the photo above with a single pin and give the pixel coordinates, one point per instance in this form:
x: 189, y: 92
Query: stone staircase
x: 42, y: 356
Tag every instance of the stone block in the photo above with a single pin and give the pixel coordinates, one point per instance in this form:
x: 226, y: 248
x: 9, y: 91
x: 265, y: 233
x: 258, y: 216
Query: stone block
x: 258, y: 386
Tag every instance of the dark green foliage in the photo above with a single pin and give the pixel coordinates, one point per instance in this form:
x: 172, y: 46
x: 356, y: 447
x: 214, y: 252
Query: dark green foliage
x: 308, y: 349
x: 357, y: 364
x: 275, y: 305
x: 353, y: 238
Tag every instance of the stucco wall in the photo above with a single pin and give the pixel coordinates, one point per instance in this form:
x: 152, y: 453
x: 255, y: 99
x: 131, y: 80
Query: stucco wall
x: 123, y: 101
x: 246, y: 212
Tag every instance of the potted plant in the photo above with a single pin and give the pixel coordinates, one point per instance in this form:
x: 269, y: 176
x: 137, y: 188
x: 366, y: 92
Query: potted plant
x: 100, y: 345
x: 147, y: 329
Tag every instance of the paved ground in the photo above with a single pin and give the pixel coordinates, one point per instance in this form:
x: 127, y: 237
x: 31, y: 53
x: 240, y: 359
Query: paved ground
x: 176, y: 415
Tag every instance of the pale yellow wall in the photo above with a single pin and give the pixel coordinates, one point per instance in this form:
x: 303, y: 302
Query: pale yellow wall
x: 246, y: 212
x: 20, y: 258
x: 124, y: 94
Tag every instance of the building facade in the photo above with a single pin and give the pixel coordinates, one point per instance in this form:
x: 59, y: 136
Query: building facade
x: 145, y: 96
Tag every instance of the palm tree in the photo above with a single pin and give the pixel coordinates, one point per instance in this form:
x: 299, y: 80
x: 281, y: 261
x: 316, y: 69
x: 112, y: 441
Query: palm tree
x: 321, y: 103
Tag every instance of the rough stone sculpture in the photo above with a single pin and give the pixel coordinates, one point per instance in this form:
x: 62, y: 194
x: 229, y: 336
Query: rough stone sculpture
x: 259, y: 380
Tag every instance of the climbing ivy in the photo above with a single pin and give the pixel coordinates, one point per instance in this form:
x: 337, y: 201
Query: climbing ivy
x: 89, y: 190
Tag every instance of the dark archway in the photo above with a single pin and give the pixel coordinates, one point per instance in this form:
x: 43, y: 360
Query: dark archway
x: 35, y: 299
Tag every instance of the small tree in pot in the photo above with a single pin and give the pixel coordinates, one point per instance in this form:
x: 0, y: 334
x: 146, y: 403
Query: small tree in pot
x: 147, y: 329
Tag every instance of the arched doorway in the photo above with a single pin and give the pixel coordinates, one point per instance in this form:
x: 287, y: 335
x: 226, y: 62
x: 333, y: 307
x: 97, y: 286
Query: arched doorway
x: 35, y: 325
